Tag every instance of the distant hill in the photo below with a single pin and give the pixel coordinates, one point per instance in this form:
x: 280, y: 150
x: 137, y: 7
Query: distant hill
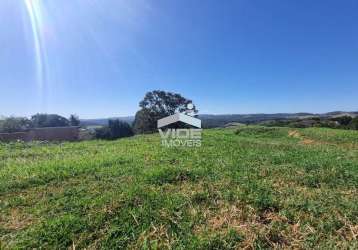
x: 211, y: 121
x: 104, y: 121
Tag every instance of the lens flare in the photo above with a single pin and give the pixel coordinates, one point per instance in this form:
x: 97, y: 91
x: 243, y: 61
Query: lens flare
x: 34, y: 11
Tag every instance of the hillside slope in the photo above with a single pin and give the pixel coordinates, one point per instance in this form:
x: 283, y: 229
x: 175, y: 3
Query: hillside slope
x: 247, y: 187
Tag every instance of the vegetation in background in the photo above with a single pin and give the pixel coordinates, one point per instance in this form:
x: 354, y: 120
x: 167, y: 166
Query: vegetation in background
x: 249, y: 187
x: 49, y: 120
x: 343, y: 121
x: 215, y: 121
x: 14, y: 124
x: 115, y: 129
x: 354, y: 123
x: 156, y: 105
x: 339, y: 122
x: 18, y: 124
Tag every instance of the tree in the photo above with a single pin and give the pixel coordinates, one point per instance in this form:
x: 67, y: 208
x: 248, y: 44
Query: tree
x: 74, y: 120
x: 354, y: 123
x: 115, y: 129
x: 156, y: 105
x: 119, y: 129
x: 145, y: 121
x: 103, y: 133
x: 164, y: 103
x: 15, y: 124
x: 49, y: 120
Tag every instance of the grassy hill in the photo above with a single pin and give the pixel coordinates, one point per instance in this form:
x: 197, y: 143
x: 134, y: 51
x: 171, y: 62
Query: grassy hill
x: 245, y: 187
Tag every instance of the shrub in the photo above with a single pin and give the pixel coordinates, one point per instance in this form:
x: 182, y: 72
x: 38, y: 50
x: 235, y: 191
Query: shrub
x: 115, y: 129
x: 354, y: 123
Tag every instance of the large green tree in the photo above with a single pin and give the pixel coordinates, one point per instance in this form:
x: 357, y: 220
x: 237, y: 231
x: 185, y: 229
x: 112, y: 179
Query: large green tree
x: 156, y: 105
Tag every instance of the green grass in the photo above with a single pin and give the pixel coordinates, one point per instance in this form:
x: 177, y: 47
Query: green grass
x: 249, y: 187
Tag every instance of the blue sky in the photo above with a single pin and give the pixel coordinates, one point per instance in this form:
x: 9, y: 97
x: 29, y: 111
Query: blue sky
x: 97, y: 58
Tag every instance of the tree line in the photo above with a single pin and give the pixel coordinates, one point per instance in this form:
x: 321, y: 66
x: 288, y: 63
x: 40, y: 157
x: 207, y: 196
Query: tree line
x: 154, y: 106
x: 19, y: 124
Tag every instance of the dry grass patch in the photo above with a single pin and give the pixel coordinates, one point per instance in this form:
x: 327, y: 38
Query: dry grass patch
x: 17, y: 219
x: 255, y: 228
x: 155, y: 237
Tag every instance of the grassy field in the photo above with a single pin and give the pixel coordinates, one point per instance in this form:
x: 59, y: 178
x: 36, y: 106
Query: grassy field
x: 251, y: 187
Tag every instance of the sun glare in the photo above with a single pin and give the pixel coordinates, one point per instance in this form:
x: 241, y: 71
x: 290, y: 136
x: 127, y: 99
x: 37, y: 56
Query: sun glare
x: 34, y: 12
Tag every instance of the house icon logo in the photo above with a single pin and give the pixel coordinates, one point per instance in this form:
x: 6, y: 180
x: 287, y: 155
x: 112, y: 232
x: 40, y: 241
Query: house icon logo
x: 186, y: 117
x: 189, y: 137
